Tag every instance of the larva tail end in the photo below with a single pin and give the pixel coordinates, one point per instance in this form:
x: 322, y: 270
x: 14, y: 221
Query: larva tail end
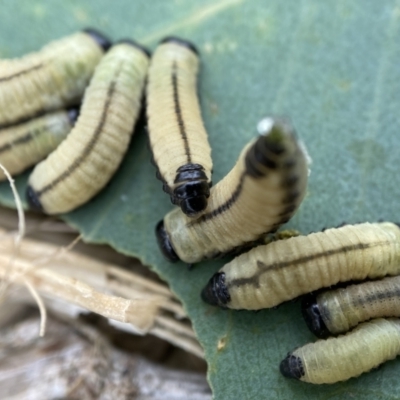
x: 265, y: 152
x: 292, y: 367
x: 312, y: 317
x: 164, y: 243
x: 277, y: 127
x: 182, y: 42
x: 103, y: 41
x: 33, y: 199
x: 216, y: 293
x: 73, y: 114
x: 134, y: 44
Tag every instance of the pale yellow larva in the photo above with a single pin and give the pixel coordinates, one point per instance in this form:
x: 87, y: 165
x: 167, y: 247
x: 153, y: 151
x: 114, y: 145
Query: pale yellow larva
x: 26, y: 144
x: 262, y: 191
x: 337, y: 311
x: 50, y: 79
x: 279, y: 271
x: 338, y: 359
x: 86, y: 160
x: 177, y: 136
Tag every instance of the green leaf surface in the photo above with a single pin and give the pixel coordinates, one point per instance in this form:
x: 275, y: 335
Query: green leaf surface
x: 333, y: 67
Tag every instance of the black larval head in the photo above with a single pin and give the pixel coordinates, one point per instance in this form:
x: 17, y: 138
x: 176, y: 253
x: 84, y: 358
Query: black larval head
x: 33, y: 199
x: 182, y: 42
x: 193, y: 205
x: 164, y: 243
x: 312, y: 317
x: 216, y: 293
x: 102, y: 40
x: 133, y: 43
x: 292, y: 367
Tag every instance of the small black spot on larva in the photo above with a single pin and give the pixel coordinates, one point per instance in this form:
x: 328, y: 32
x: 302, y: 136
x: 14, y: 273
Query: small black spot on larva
x: 291, y: 197
x: 289, y: 163
x: 290, y: 181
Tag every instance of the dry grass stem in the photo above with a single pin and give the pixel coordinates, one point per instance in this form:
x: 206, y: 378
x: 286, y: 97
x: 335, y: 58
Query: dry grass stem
x: 70, y: 283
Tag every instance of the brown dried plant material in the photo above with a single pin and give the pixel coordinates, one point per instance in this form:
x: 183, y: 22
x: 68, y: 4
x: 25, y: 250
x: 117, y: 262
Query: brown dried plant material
x: 76, y: 361
x: 139, y: 312
x: 72, y: 283
x: 130, y: 301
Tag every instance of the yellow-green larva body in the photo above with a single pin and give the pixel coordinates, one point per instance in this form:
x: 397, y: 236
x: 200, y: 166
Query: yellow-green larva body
x: 50, y: 79
x: 338, y: 359
x: 279, y: 271
x: 337, y: 311
x: 28, y: 143
x: 177, y: 136
x: 261, y: 192
x: 86, y: 160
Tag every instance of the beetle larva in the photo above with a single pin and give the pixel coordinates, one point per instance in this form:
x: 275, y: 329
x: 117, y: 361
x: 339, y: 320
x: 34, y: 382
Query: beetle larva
x: 50, y: 79
x: 26, y: 144
x: 261, y: 192
x: 271, y: 274
x: 338, y: 359
x: 337, y: 311
x: 86, y: 160
x: 177, y: 136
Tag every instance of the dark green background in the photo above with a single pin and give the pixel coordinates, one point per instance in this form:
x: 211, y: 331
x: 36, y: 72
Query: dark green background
x: 333, y: 67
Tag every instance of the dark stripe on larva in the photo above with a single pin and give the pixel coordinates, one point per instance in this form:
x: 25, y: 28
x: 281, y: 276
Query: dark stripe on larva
x: 235, y: 195
x: 23, y: 72
x: 22, y: 140
x: 256, y: 156
x: 263, y: 268
x: 178, y: 111
x: 223, y: 207
x: 88, y: 148
x: 22, y: 120
x: 360, y: 301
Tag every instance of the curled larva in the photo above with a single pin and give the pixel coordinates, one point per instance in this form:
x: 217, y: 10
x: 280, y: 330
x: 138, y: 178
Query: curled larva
x: 271, y: 274
x: 261, y: 192
x: 337, y: 311
x: 338, y: 359
x: 177, y: 136
x: 50, y: 79
x: 86, y: 160
x: 28, y: 143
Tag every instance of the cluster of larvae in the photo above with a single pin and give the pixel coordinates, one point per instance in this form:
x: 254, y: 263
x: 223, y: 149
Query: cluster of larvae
x: 271, y: 274
x: 365, y: 347
x: 269, y: 179
x: 261, y: 192
x: 76, y: 101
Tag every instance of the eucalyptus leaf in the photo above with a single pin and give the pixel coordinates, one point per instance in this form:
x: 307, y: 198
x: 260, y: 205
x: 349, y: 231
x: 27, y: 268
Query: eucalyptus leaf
x: 332, y: 67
